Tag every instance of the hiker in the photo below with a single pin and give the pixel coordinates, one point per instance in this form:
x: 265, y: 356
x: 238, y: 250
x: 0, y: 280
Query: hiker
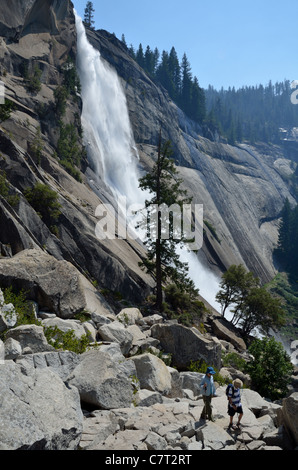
x: 208, y: 391
x: 234, y: 405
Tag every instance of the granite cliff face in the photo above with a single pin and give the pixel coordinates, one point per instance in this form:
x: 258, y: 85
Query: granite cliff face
x: 42, y: 34
x: 242, y: 188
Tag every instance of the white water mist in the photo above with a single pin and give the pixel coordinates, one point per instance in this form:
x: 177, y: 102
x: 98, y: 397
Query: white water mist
x: 110, y: 144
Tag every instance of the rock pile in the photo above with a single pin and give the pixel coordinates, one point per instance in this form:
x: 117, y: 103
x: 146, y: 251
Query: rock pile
x: 110, y: 398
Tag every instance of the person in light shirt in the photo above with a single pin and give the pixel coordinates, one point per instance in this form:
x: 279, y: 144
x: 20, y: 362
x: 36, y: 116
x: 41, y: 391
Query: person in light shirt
x: 235, y: 405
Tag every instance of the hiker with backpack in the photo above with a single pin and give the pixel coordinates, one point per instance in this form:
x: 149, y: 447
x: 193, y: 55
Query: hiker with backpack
x: 208, y: 391
x: 234, y: 405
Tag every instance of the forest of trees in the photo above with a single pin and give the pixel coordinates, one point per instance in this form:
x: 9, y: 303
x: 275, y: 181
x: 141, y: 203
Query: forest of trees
x: 175, y: 76
x: 251, y: 113
x: 286, y: 251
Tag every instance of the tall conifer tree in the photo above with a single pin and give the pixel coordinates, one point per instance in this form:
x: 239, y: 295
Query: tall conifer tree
x: 89, y: 15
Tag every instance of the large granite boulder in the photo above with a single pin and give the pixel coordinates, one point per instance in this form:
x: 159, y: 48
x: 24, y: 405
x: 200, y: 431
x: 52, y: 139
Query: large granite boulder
x: 288, y: 416
x: 186, y: 345
x: 152, y: 373
x: 37, y: 411
x: 103, y: 381
x: 56, y: 285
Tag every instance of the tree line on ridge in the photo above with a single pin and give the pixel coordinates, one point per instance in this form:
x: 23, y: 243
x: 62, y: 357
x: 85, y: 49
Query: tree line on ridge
x: 250, y: 113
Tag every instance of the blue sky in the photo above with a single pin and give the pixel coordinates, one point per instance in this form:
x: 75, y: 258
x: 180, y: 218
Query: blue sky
x: 227, y: 42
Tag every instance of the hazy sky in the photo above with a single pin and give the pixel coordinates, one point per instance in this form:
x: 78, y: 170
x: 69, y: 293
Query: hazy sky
x: 227, y: 42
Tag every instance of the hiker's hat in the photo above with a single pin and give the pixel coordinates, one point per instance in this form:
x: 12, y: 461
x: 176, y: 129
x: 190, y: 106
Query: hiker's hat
x: 210, y: 370
x: 237, y: 383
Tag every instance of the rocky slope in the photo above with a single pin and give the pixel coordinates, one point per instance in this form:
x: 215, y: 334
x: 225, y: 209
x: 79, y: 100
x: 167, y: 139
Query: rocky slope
x: 110, y: 398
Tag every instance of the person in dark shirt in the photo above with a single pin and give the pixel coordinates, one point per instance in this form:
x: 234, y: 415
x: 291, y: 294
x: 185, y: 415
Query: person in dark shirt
x: 208, y: 391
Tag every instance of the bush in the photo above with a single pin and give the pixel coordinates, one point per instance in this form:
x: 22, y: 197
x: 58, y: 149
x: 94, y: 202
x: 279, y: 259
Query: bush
x: 33, y: 83
x: 22, y: 306
x: 12, y: 199
x: 68, y: 148
x: 45, y: 202
x: 66, y: 340
x: 60, y: 95
x: 234, y: 360
x: 181, y: 305
x: 271, y: 368
x: 6, y: 110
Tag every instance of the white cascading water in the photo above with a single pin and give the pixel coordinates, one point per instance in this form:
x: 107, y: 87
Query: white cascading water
x: 110, y: 144
x: 107, y: 131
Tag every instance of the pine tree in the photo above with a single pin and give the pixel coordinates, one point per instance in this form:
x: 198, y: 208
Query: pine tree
x: 162, y: 261
x: 89, y: 15
x: 140, y: 58
x: 186, y: 90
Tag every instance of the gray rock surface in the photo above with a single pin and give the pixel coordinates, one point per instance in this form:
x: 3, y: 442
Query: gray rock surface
x: 38, y: 412
x: 185, y: 344
x: 101, y: 381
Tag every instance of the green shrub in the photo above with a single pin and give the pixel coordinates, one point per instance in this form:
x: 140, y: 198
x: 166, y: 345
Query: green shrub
x: 33, y: 83
x: 181, y: 305
x: 234, y: 360
x: 12, y: 199
x: 6, y: 110
x: 37, y: 146
x: 271, y: 368
x: 66, y: 340
x: 23, y: 307
x: 74, y: 172
x: 45, y: 202
x: 60, y: 95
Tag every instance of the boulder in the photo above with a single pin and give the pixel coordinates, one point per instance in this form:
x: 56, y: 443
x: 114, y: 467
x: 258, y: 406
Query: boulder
x: 176, y: 389
x: 231, y: 374
x: 30, y: 336
x: 12, y: 349
x: 101, y: 381
x: 186, y: 345
x: 56, y: 285
x: 65, y: 325
x: 37, y: 412
x: 2, y: 352
x: 98, y: 427
x: 226, y: 331
x: 116, y: 332
x: 130, y: 316
x: 288, y: 416
x: 152, y: 373
x: 60, y: 362
x: 257, y: 404
x: 2, y: 301
x: 8, y: 317
x: 146, y: 397
x: 191, y: 381
x: 213, y: 437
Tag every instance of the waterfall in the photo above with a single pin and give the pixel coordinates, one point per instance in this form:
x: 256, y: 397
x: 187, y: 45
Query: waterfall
x: 108, y: 135
x: 109, y: 141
